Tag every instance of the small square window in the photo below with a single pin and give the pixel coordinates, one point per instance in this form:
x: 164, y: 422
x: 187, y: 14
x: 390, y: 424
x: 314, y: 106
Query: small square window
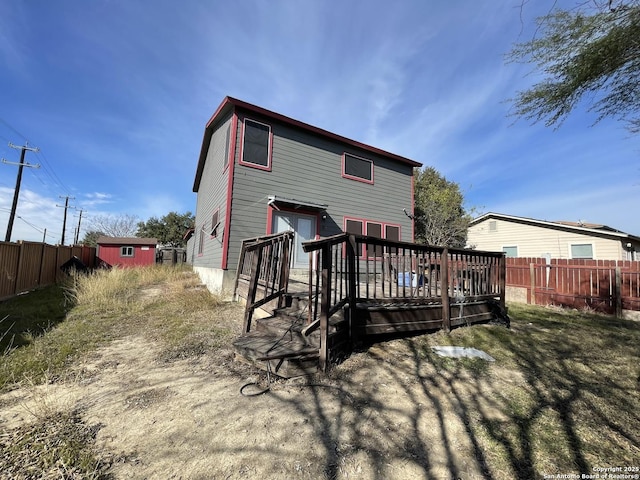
x: 357, y: 168
x: 126, y: 251
x: 510, y: 251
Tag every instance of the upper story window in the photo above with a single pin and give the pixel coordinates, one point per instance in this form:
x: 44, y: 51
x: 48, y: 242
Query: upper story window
x: 226, y: 146
x: 256, y: 145
x: 357, y: 168
x: 126, y: 251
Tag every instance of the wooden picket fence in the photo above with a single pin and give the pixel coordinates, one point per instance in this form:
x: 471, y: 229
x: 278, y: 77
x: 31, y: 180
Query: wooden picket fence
x: 28, y: 265
x: 606, y: 286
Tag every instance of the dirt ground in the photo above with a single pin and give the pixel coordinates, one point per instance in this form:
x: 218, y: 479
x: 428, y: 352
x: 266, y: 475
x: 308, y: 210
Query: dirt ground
x: 385, y: 413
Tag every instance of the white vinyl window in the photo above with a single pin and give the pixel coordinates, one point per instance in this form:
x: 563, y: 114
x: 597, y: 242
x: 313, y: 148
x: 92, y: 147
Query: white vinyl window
x: 582, y: 250
x: 510, y: 251
x: 126, y: 251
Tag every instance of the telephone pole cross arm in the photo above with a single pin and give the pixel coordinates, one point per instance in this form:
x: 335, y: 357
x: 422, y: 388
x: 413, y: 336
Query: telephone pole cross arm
x: 16, y: 192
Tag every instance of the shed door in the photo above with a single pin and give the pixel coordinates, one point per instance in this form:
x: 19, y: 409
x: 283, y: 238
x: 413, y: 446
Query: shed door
x: 304, y: 228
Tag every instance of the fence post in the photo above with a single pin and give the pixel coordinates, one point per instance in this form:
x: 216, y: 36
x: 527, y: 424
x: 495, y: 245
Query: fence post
x: 618, y: 292
x: 532, y: 278
x: 19, y: 268
x: 444, y: 287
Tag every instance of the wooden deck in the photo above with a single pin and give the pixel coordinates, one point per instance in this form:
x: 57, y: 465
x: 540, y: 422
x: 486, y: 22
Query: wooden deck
x: 350, y: 298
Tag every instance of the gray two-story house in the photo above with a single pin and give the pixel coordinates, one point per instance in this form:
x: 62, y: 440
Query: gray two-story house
x: 260, y: 172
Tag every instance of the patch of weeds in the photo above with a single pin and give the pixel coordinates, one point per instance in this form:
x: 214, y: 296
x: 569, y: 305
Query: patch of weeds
x: 58, y: 445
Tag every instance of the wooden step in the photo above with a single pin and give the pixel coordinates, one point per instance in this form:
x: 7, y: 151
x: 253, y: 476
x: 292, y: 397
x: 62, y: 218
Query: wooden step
x: 286, y: 358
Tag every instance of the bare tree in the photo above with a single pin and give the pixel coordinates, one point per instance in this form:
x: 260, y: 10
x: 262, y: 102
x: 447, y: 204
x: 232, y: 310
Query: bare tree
x: 121, y: 225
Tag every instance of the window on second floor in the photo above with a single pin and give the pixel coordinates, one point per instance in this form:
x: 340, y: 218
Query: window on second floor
x: 256, y: 145
x: 357, y: 168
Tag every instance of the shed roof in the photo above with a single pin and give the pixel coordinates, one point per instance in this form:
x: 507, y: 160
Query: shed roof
x: 580, y: 227
x: 230, y: 103
x: 104, y: 240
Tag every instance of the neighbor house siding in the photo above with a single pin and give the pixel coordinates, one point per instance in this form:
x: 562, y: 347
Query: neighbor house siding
x: 309, y: 168
x: 212, y: 196
x: 536, y: 241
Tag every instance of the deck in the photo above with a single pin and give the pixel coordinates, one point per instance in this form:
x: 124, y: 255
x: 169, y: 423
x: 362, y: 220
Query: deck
x: 358, y: 290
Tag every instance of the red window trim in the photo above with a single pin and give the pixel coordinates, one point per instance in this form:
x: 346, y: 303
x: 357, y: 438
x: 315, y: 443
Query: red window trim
x: 201, y: 241
x: 352, y: 177
x: 266, y: 168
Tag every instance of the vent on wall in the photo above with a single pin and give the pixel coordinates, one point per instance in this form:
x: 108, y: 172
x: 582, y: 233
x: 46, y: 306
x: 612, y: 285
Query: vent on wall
x: 493, y: 226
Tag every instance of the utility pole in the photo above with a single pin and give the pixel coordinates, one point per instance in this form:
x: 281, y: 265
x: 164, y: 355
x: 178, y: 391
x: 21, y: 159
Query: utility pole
x: 16, y: 192
x: 75, y: 240
x: 66, y: 207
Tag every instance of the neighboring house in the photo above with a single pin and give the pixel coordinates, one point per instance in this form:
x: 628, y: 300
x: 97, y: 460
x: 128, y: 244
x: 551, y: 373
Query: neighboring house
x: 260, y: 172
x: 126, y: 251
x: 527, y: 237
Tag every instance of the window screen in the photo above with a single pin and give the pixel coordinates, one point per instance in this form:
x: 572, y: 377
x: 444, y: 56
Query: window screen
x: 215, y: 223
x: 582, y: 250
x: 354, y: 227
x: 374, y: 230
x: 392, y: 232
x: 256, y: 143
x: 358, y: 167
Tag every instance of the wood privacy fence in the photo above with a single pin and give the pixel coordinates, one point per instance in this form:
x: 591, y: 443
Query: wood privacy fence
x: 606, y: 286
x: 27, y: 265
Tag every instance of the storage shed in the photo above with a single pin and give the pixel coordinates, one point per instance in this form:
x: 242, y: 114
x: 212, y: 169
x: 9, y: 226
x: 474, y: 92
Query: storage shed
x: 126, y: 251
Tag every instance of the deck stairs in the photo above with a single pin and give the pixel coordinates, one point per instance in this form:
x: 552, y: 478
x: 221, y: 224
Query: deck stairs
x: 279, y: 342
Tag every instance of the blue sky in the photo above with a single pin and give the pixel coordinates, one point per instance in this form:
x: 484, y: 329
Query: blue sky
x: 116, y: 95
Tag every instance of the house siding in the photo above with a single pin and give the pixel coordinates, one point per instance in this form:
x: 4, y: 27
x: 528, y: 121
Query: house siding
x: 308, y: 168
x: 212, y: 196
x: 537, y: 241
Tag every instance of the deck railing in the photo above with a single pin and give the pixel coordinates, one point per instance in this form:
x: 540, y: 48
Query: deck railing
x: 354, y: 269
x: 264, y: 264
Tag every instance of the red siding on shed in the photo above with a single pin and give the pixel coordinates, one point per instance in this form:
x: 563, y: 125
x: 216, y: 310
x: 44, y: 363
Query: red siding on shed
x: 142, y: 255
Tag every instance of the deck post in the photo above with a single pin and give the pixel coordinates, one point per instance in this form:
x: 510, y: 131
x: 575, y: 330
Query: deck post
x: 253, y: 287
x: 324, y: 307
x: 444, y: 287
x: 351, y: 269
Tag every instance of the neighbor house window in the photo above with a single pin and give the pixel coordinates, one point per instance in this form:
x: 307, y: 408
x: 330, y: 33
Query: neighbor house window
x: 357, y: 168
x: 126, y: 251
x: 510, y: 251
x: 256, y: 145
x: 582, y: 250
